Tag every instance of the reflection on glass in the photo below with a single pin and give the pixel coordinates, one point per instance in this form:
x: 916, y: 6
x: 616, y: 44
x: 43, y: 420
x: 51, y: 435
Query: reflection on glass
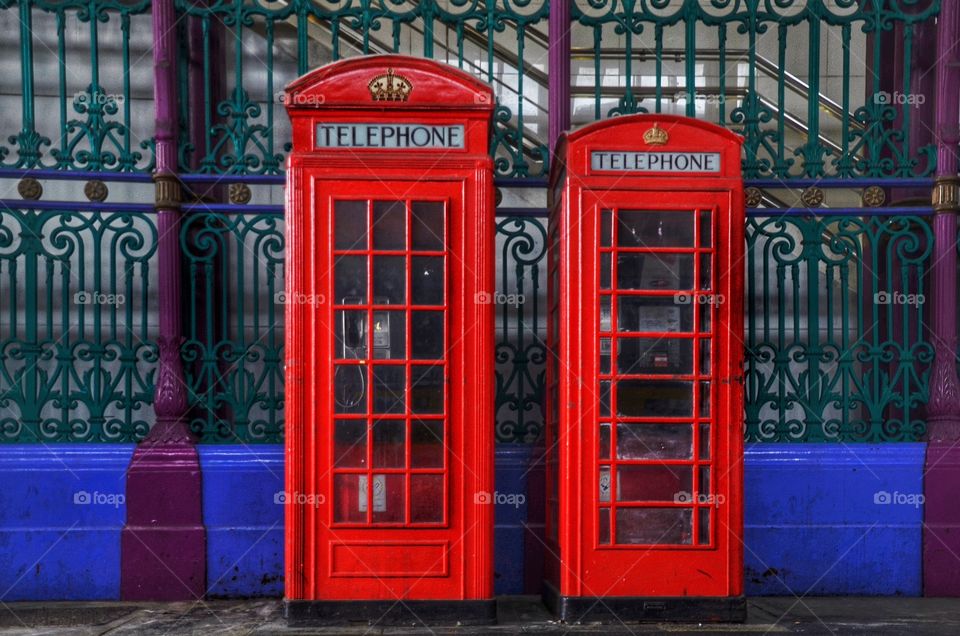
x: 654, y: 483
x: 389, y: 448
x: 643, y: 228
x: 656, y: 271
x: 350, y: 280
x: 654, y: 441
x: 350, y: 443
x: 647, y: 398
x: 389, y: 280
x: 426, y: 280
x: 350, y: 225
x: 427, y: 335
x: 654, y: 526
x: 388, y: 389
x: 427, y: 225
x: 426, y: 498
x: 389, y: 225
x: 654, y: 355
x: 426, y: 392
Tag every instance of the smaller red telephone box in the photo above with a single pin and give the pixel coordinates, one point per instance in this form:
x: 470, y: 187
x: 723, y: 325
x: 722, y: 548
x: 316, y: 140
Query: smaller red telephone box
x: 389, y: 370
x: 645, y: 411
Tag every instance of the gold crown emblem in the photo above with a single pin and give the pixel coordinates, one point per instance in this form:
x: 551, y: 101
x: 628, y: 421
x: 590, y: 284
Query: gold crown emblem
x: 390, y: 87
x: 656, y: 136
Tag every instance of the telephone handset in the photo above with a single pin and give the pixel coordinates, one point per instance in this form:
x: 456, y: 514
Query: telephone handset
x: 354, y: 327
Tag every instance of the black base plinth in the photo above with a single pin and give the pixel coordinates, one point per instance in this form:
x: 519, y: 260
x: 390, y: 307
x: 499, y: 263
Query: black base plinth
x: 383, y: 613
x: 613, y: 609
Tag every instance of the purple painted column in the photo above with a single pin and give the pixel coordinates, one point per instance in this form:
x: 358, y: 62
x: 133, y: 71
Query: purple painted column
x: 941, y: 538
x: 163, y: 544
x: 558, y: 86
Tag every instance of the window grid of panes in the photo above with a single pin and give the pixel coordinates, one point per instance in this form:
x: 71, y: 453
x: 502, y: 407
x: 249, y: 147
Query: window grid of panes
x: 657, y: 304
x: 390, y: 462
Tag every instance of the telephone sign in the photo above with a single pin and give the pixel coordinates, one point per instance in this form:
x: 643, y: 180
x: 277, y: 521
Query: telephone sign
x: 389, y: 378
x: 644, y: 396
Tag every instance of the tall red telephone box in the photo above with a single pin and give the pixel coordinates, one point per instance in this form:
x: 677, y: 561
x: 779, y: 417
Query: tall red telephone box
x: 389, y: 370
x: 644, y: 426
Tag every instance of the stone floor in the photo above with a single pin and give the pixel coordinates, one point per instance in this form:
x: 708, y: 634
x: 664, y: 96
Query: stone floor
x: 521, y: 614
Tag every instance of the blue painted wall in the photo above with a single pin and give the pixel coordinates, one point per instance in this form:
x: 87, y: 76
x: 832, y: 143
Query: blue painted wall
x: 62, y: 507
x: 244, y: 519
x: 833, y: 519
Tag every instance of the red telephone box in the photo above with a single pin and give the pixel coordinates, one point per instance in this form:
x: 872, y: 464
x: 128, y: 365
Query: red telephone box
x: 644, y: 431
x: 389, y: 365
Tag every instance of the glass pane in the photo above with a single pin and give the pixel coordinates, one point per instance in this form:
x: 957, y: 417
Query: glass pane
x: 705, y: 367
x: 706, y: 232
x: 605, y: 441
x: 350, y: 388
x: 426, y: 498
x: 604, y: 483
x: 389, y: 499
x: 604, y: 313
x: 704, y: 483
x: 604, y: 538
x: 706, y: 313
x: 605, y: 398
x: 350, y: 225
x: 605, y: 346
x: 350, y: 443
x: 426, y: 438
x: 427, y: 335
x: 640, y: 228
x: 706, y: 271
x: 605, y: 271
x: 704, y: 399
x: 389, y: 335
x: 389, y: 280
x: 654, y: 355
x: 389, y: 448
x: 388, y: 389
x: 427, y: 225
x: 350, y: 334
x: 606, y: 226
x: 654, y: 271
x: 647, y: 314
x: 426, y: 391
x: 350, y: 280
x: 704, y: 441
x: 654, y: 526
x: 654, y: 483
x: 389, y: 225
x: 646, y: 398
x: 703, y: 533
x: 654, y: 441
x: 427, y: 280
x: 347, y: 504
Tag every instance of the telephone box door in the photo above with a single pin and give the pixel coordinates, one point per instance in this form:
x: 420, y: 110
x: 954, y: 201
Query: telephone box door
x: 657, y: 447
x: 390, y: 429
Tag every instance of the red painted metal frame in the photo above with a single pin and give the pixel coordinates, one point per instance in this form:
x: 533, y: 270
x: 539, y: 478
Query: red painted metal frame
x: 448, y: 560
x: 577, y: 565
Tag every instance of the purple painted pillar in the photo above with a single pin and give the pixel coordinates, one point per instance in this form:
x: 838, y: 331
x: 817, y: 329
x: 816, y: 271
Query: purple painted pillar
x: 163, y: 556
x: 941, y: 537
x: 558, y: 86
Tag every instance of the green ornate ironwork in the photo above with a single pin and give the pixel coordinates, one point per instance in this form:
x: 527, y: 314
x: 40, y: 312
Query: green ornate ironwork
x: 90, y: 127
x: 76, y: 350
x: 521, y: 352
x: 243, y: 129
x: 233, y: 347
x: 836, y: 315
x: 847, y: 135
